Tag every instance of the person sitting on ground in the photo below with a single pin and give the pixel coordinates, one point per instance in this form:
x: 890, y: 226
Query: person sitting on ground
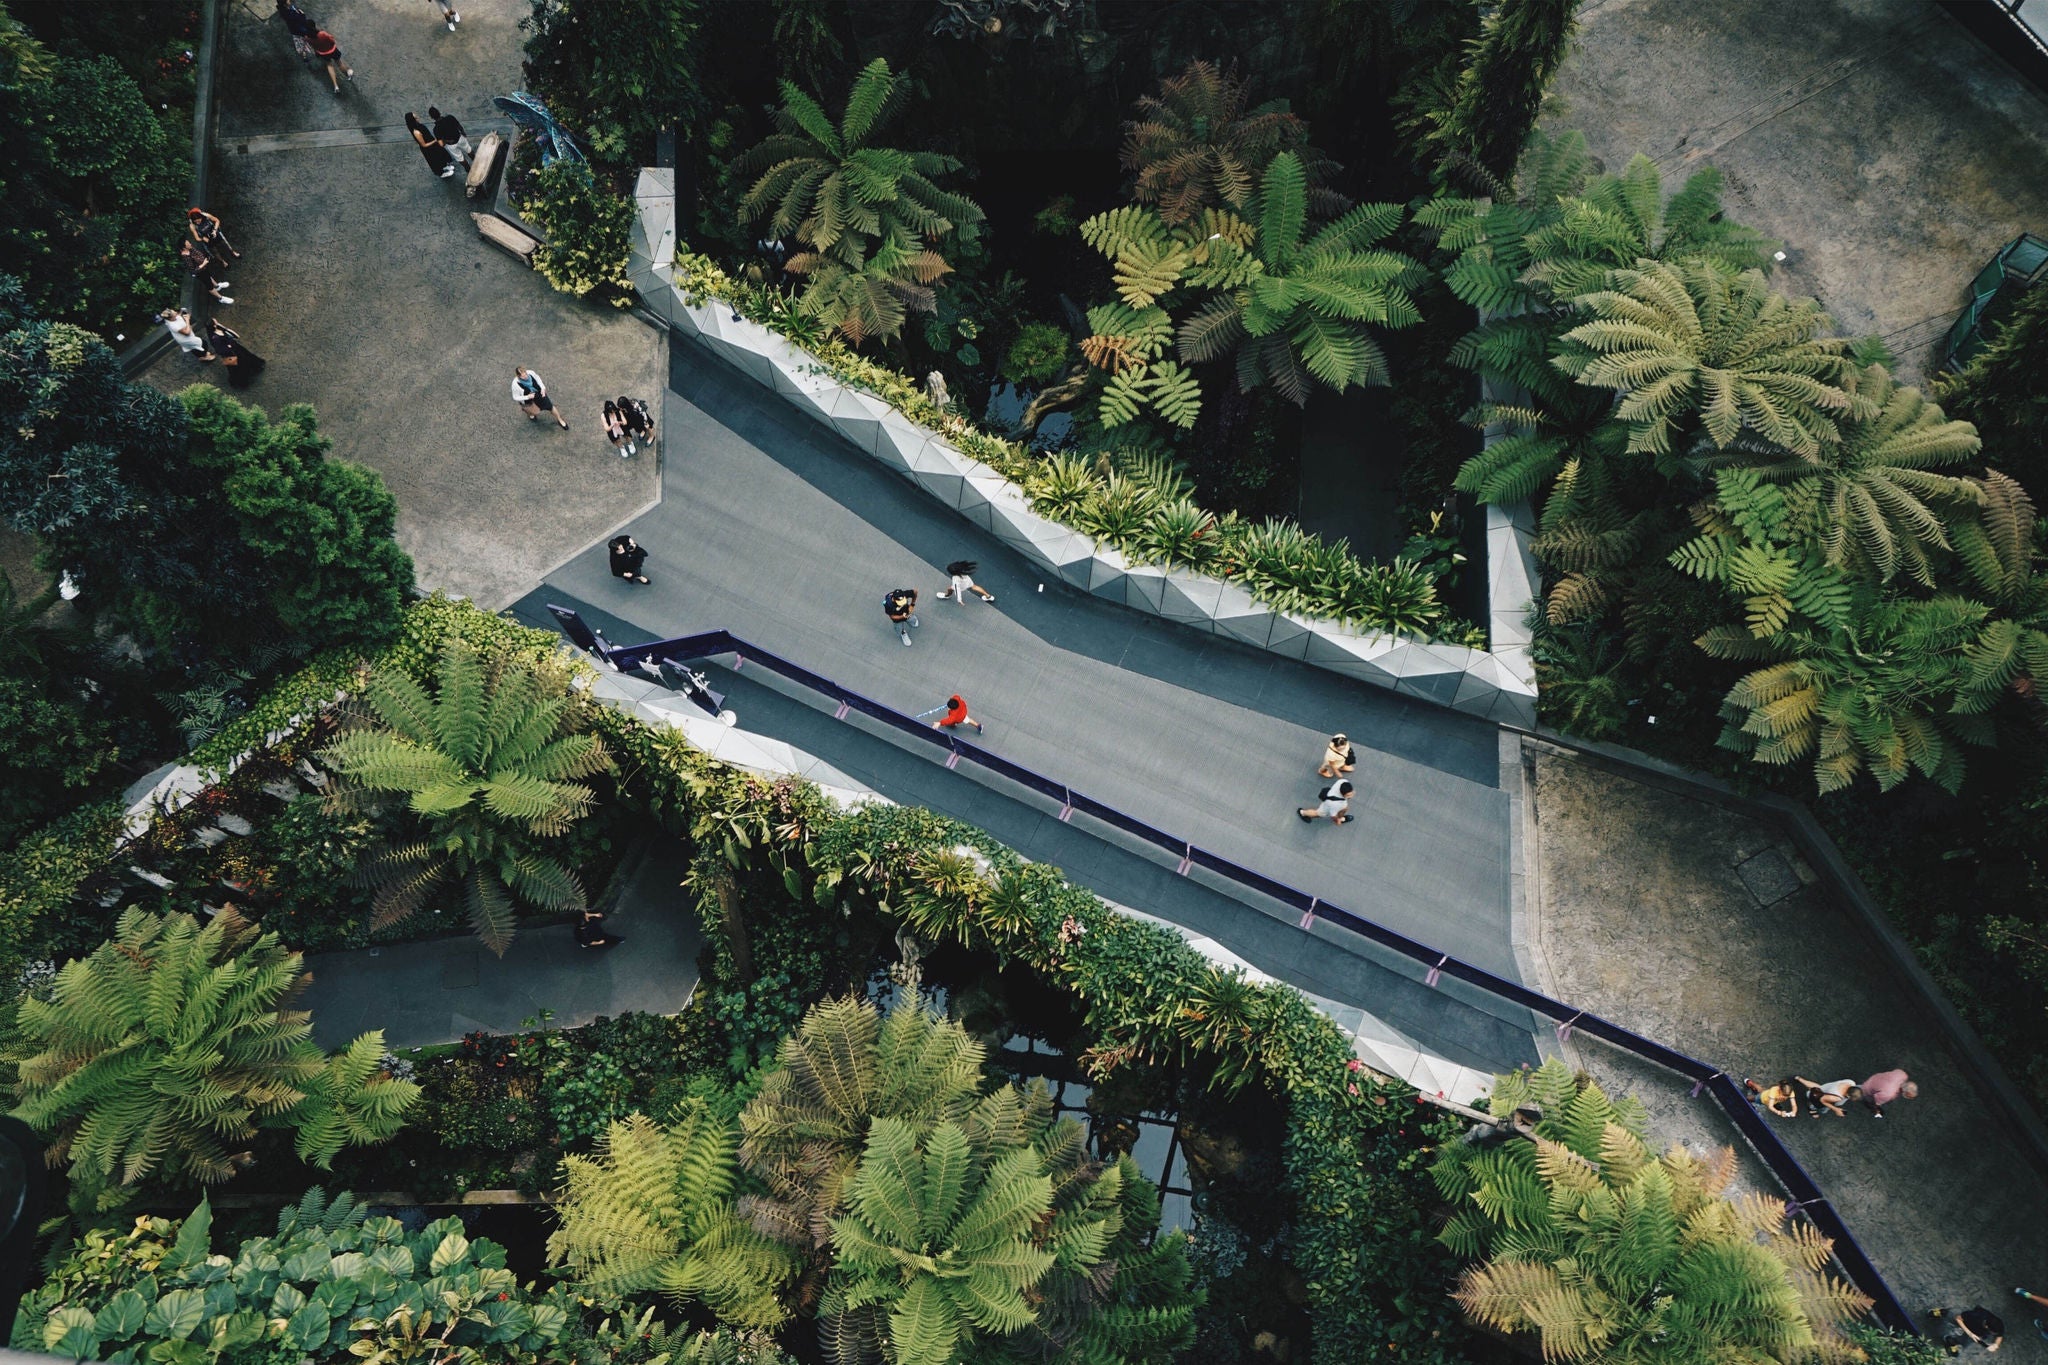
x: 1780, y: 1097
x: 1830, y: 1097
x: 1977, y: 1326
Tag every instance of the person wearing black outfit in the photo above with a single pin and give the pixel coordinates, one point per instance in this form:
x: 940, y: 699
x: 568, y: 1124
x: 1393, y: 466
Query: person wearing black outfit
x: 438, y: 160
x: 639, y: 422
x: 1977, y: 1326
x: 448, y: 129
x: 590, y: 931
x: 243, y: 364
x: 627, y: 556
x: 900, y: 606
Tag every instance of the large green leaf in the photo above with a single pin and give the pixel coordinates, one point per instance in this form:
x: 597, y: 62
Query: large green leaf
x: 176, y: 1315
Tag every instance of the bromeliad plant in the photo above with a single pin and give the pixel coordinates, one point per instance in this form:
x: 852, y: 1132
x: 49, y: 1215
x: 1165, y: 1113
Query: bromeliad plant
x: 488, y: 763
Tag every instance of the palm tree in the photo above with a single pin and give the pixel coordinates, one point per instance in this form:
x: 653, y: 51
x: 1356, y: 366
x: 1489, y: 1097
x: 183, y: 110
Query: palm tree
x: 1875, y: 485
x: 1688, y: 344
x: 652, y: 1209
x: 487, y: 764
x: 870, y: 217
x: 1194, y: 146
x: 1302, y: 311
x: 1609, y: 1253
x: 167, y: 1049
x: 936, y: 1242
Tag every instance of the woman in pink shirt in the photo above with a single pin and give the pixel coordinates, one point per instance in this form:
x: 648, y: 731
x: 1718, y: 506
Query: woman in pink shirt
x: 1886, y: 1086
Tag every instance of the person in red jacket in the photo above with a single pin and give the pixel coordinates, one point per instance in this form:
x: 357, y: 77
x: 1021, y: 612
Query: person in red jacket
x: 956, y: 714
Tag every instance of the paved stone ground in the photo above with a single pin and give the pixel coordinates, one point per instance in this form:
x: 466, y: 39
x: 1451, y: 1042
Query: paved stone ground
x: 1888, y: 148
x: 438, y: 990
x: 365, y: 285
x: 1695, y: 926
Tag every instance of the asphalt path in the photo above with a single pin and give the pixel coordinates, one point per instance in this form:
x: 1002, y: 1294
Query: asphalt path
x: 779, y: 530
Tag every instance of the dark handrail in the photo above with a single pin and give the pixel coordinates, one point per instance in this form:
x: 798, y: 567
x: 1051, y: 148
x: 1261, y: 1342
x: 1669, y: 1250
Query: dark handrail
x: 1807, y: 1198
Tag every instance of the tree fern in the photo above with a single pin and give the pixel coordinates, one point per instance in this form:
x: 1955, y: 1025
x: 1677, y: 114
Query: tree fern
x: 1196, y: 146
x: 1603, y: 1252
x: 488, y: 765
x: 652, y: 1209
x: 163, y: 1052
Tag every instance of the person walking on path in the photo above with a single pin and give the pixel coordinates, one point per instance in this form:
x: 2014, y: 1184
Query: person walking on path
x: 328, y: 49
x: 202, y: 268
x: 243, y: 364
x: 627, y: 555
x: 2031, y: 1297
x: 438, y: 160
x: 206, y: 234
x: 900, y: 605
x: 531, y: 394
x: 961, y: 571
x: 1886, y: 1086
x: 956, y: 715
x: 1334, y: 805
x: 179, y: 324
x: 300, y: 26
x: 590, y: 931
x: 448, y: 13
x: 1337, y: 758
x: 639, y: 422
x: 1977, y: 1326
x: 448, y: 129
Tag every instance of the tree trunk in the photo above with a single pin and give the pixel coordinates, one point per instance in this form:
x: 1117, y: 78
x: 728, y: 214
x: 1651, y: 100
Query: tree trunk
x: 734, y: 921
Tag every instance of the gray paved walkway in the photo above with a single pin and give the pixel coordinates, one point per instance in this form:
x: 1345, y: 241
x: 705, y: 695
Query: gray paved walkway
x: 1890, y: 149
x: 436, y: 991
x: 365, y: 285
x: 780, y: 531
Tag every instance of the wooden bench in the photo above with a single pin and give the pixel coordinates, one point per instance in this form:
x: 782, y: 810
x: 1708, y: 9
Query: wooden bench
x: 500, y: 233
x: 481, y: 164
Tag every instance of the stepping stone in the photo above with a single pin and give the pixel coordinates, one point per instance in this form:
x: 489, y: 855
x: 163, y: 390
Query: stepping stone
x: 284, y: 790
x: 233, y: 824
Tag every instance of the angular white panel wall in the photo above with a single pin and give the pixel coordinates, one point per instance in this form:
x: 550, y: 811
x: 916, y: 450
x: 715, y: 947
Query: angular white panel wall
x: 1499, y: 685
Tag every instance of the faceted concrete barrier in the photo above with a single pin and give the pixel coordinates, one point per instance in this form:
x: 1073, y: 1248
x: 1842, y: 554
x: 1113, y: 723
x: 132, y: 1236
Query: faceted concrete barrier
x: 1498, y: 684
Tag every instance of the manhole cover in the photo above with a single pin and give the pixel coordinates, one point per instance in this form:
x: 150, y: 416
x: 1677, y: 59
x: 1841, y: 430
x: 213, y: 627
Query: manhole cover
x: 1768, y: 876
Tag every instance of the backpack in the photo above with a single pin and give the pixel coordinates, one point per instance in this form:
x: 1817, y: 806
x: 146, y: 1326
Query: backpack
x: 896, y: 600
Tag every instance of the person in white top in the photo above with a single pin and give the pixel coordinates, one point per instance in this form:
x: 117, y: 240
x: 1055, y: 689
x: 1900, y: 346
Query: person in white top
x: 532, y: 395
x: 179, y: 325
x: 961, y: 572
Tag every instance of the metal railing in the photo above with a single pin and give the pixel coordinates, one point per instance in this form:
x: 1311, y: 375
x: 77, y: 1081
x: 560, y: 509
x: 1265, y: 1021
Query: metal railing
x: 1807, y: 1199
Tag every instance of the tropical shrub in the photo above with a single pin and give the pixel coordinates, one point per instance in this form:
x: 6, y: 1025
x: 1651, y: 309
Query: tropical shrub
x: 1038, y: 355
x: 617, y: 72
x: 1480, y: 135
x: 330, y: 1286
x: 588, y: 228
x: 917, y: 1213
x: 156, y: 1055
x: 1195, y: 146
x: 488, y: 764
x: 93, y: 214
x: 1608, y: 1252
x: 870, y: 218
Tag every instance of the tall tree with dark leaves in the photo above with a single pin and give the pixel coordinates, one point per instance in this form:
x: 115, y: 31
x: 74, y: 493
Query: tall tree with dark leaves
x: 1479, y: 137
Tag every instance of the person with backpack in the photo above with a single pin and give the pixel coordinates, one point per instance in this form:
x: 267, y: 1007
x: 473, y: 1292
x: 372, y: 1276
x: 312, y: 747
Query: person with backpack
x: 900, y: 605
x: 1334, y: 805
x: 531, y: 394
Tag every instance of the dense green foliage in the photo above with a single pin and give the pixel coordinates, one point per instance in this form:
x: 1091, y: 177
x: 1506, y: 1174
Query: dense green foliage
x: 1479, y: 137
x: 155, y: 1057
x: 616, y: 72
x: 1608, y: 1252
x: 91, y: 206
x: 588, y: 232
x: 2002, y: 395
x: 489, y: 764
x: 869, y: 219
x: 332, y: 1286
x: 925, y: 1220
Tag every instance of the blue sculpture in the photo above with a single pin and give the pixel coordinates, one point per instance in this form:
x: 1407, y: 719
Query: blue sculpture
x: 530, y: 114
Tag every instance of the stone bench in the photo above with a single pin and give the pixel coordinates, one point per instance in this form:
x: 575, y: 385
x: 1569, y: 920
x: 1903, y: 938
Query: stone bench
x: 498, y: 232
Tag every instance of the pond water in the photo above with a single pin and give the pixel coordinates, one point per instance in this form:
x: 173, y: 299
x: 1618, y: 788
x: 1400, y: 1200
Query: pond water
x: 1006, y: 408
